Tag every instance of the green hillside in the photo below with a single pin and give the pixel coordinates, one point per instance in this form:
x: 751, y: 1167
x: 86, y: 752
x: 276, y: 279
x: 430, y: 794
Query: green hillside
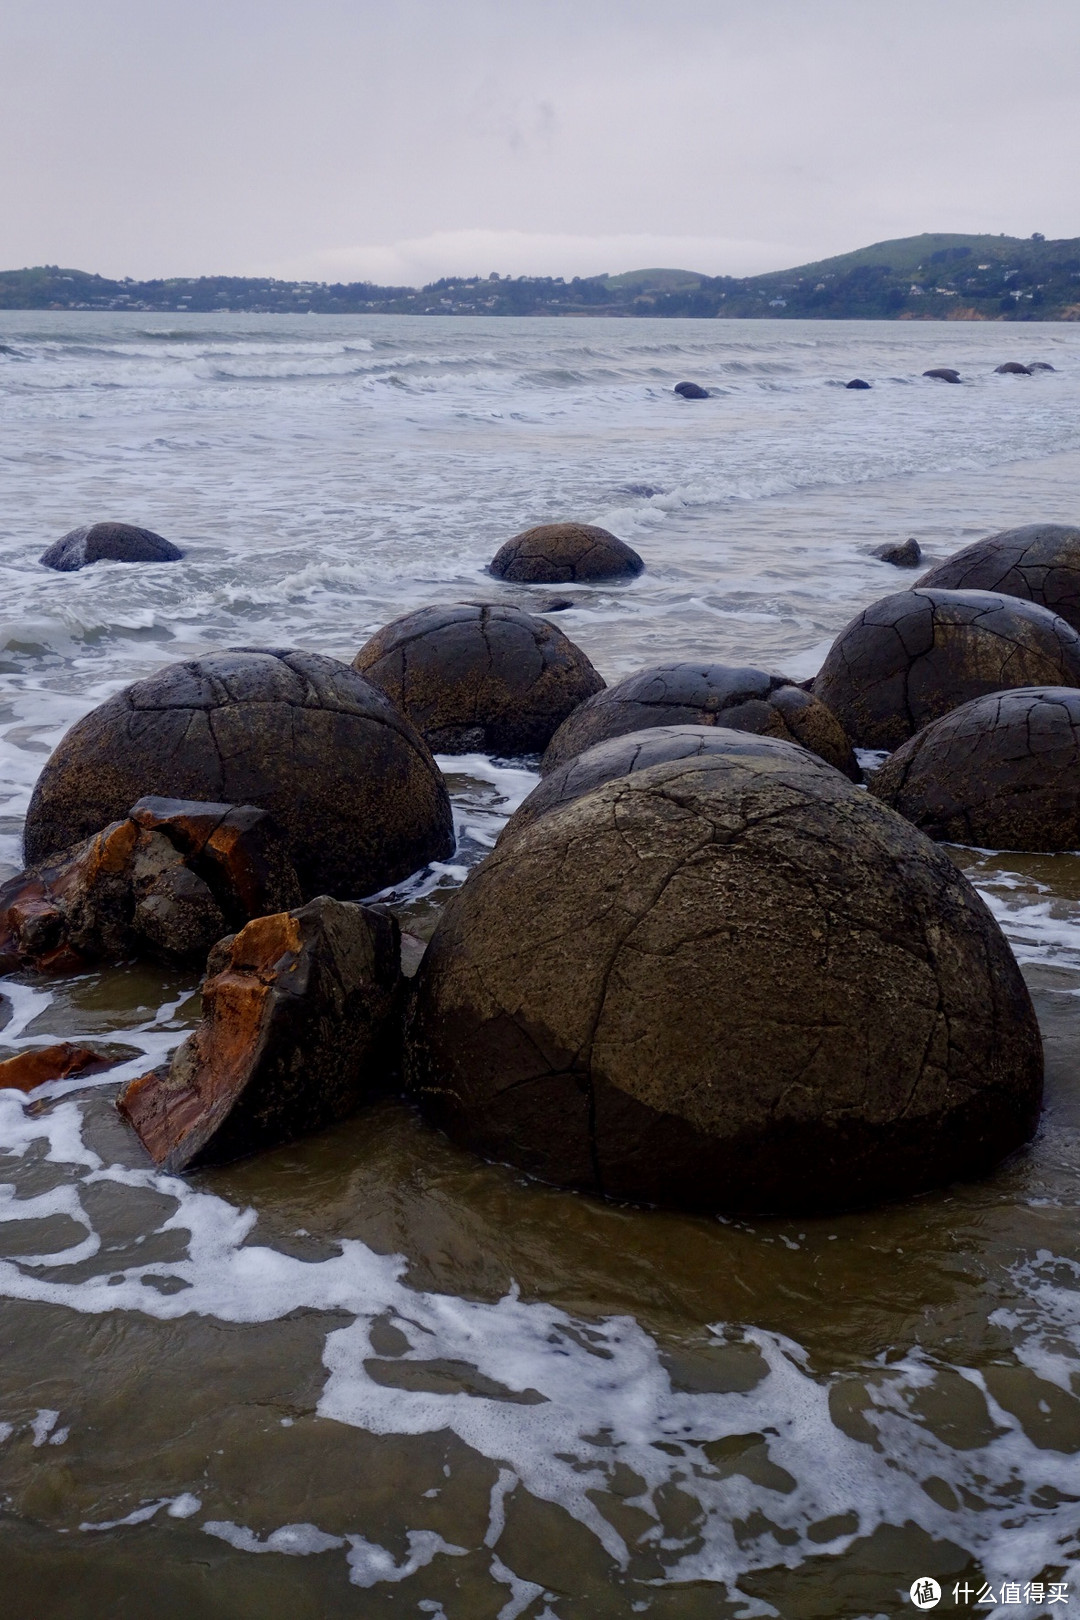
x: 935, y: 276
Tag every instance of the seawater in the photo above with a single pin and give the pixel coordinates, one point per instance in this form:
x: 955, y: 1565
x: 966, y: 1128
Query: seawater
x: 367, y: 1374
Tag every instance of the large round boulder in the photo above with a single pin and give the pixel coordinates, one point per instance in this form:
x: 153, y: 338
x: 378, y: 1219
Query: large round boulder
x: 479, y: 677
x: 726, y: 984
x: 704, y: 695
x: 1039, y: 563
x: 558, y: 553
x: 108, y: 542
x: 640, y: 751
x: 911, y: 657
x: 1002, y: 772
x: 350, y: 783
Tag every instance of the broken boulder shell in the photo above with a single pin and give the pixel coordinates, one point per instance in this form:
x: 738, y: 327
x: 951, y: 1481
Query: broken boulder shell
x: 351, y: 784
x: 714, y: 986
x: 295, y: 1007
x: 167, y: 881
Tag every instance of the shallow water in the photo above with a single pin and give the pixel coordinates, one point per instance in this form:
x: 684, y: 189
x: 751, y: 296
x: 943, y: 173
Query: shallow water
x: 366, y: 1374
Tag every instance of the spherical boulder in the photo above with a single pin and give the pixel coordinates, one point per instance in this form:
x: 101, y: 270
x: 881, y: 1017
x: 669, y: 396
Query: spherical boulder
x: 479, y: 677
x: 1013, y: 368
x: 857, y: 382
x: 723, y: 987
x: 561, y: 553
x: 912, y: 657
x: 943, y: 374
x: 640, y: 750
x: 690, y: 390
x: 1002, y: 772
x: 704, y: 695
x: 108, y: 542
x: 352, y: 786
x: 1039, y: 563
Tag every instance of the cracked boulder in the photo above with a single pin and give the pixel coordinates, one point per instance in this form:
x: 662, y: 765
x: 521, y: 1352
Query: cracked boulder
x: 713, y: 986
x: 296, y: 1008
x: 167, y: 881
x: 912, y: 657
x: 108, y: 542
x: 640, y: 750
x: 1002, y: 772
x: 1039, y: 563
x: 478, y: 677
x: 561, y: 553
x: 704, y: 695
x: 352, y: 786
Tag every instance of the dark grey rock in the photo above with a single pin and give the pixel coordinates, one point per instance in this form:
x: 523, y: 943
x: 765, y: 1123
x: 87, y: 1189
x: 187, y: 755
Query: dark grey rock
x: 112, y: 542
x: 943, y: 374
x: 565, y: 553
x: 690, y: 390
x: 857, y: 382
x: 911, y: 657
x: 906, y: 554
x: 1013, y: 368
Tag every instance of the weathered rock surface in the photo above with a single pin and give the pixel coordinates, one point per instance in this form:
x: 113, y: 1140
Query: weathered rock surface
x: 1002, y: 772
x: 478, y: 677
x: 911, y: 657
x: 691, y: 390
x: 641, y: 750
x: 1013, y: 368
x: 704, y: 695
x: 943, y: 374
x: 294, y: 1009
x: 167, y: 881
x: 857, y: 382
x: 40, y: 1064
x: 353, y: 787
x: 561, y: 553
x: 713, y: 986
x: 907, y: 554
x: 108, y: 542
x: 1038, y: 563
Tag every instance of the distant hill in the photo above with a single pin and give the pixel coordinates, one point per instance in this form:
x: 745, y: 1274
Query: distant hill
x: 936, y: 276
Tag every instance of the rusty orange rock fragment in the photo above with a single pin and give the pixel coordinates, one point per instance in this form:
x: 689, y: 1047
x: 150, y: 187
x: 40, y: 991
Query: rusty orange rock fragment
x: 33, y: 1068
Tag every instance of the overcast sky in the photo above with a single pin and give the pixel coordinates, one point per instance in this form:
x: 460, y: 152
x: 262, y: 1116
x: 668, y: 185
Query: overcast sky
x: 399, y: 140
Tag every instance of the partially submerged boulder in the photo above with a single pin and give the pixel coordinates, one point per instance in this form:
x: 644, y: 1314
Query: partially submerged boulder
x: 37, y: 1065
x: 912, y: 657
x: 691, y: 390
x: 1039, y: 562
x: 295, y: 1007
x: 1002, y: 772
x: 857, y: 382
x: 720, y: 987
x: 479, y: 677
x: 167, y: 881
x: 704, y: 695
x: 641, y: 750
x: 353, y: 787
x: 1013, y: 368
x: 943, y: 374
x: 902, y: 554
x: 108, y: 542
x: 561, y: 553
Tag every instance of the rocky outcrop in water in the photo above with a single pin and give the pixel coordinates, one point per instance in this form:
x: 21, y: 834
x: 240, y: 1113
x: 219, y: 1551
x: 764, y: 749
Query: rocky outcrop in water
x: 690, y: 390
x: 479, y: 677
x: 640, y: 751
x: 350, y: 783
x: 720, y: 987
x: 704, y: 695
x: 561, y: 553
x: 857, y: 382
x: 39, y: 1064
x: 1002, y: 772
x: 295, y: 1007
x: 905, y: 554
x: 167, y: 881
x: 911, y: 657
x: 1013, y: 368
x: 943, y: 374
x: 108, y: 542
x: 1038, y: 563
